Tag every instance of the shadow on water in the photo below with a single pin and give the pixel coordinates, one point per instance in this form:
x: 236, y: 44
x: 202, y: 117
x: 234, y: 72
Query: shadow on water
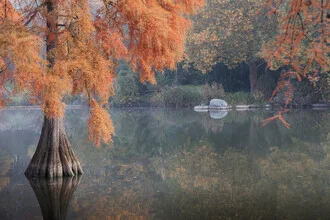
x: 54, y: 195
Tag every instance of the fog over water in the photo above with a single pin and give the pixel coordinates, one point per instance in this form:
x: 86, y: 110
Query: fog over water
x: 174, y: 164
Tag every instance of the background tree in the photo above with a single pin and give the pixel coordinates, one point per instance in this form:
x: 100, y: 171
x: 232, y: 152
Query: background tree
x: 230, y: 32
x: 83, y: 40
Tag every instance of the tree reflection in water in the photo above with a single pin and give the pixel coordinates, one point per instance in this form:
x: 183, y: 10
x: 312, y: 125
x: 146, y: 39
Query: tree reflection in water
x: 178, y: 164
x: 5, y: 162
x: 203, y: 184
x: 54, y: 195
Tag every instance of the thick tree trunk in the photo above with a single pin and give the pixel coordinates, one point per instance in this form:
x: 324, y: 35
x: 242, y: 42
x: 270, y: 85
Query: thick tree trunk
x: 54, y: 195
x: 54, y: 156
x: 253, y: 76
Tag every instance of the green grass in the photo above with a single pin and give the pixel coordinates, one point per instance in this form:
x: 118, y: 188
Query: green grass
x: 244, y: 98
x: 192, y: 95
x: 178, y: 96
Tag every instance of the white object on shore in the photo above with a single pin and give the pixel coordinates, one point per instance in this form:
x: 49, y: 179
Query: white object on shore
x: 218, y: 103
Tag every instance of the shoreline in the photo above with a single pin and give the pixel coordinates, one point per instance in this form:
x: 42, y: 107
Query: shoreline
x: 238, y: 107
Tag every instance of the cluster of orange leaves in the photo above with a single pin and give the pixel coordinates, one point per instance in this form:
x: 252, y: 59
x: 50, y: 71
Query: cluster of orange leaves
x: 304, y: 36
x: 302, y: 43
x: 99, y: 124
x: 285, y: 85
x: 87, y: 45
x: 155, y: 31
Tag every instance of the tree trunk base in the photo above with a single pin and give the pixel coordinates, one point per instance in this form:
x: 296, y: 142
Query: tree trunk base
x: 54, y: 156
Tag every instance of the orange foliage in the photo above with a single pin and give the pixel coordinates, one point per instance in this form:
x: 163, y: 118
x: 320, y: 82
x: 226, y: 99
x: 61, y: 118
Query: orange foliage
x: 285, y: 85
x: 155, y: 31
x: 8, y: 11
x: 302, y: 42
x: 21, y: 62
x: 85, y: 40
x: 100, y: 126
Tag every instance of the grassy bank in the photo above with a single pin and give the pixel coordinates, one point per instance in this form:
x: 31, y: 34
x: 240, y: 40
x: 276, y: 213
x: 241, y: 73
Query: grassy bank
x: 167, y: 96
x: 186, y: 96
x: 181, y: 96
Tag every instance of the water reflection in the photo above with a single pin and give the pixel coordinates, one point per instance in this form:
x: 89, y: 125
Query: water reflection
x: 54, y: 195
x: 176, y: 164
x: 6, y: 161
x: 205, y: 184
x: 217, y: 114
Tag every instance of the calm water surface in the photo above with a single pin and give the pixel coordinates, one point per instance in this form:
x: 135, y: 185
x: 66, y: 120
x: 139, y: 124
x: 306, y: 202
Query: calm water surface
x: 174, y: 164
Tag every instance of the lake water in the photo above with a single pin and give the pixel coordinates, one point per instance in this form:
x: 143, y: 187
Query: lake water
x: 174, y: 164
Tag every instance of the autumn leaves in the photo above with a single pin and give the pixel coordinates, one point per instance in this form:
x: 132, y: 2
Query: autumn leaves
x: 84, y: 41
